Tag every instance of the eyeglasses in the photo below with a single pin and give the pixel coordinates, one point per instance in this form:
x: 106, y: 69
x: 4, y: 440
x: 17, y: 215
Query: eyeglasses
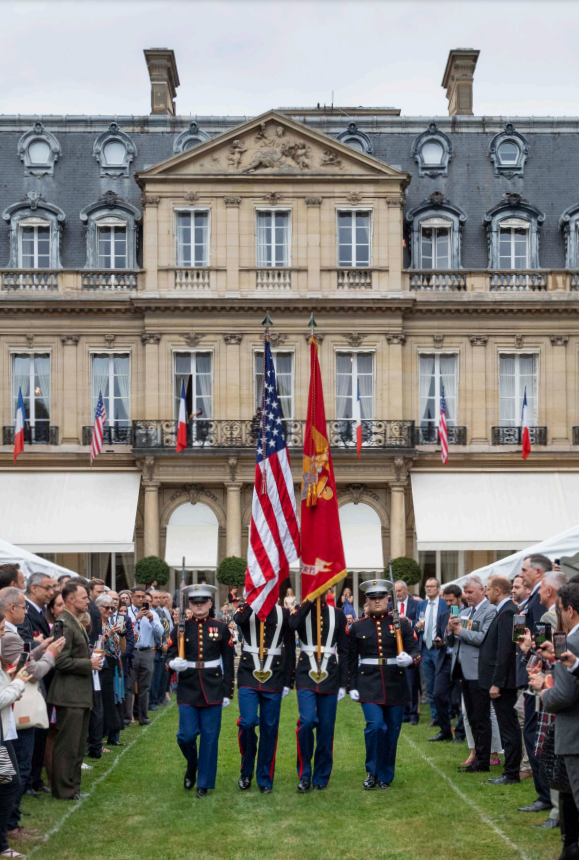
x: 43, y: 587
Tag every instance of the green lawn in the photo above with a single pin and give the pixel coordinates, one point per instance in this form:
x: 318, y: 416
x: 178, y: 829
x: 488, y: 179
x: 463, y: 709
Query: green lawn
x: 139, y: 810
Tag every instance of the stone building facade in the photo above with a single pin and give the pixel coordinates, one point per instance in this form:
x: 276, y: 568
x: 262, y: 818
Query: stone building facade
x: 435, y: 253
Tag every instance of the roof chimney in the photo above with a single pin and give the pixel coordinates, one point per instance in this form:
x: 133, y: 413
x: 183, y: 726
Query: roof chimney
x: 458, y: 78
x: 164, y: 79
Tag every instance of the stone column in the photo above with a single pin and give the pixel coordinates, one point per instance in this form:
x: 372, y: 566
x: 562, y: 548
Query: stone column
x: 151, y: 487
x: 479, y: 429
x: 395, y: 247
x: 151, y: 343
x: 233, y: 525
x: 558, y: 411
x: 398, y: 510
x: 150, y: 241
x: 395, y: 377
x: 232, y: 382
x: 314, y: 245
x: 232, y: 205
x: 70, y: 424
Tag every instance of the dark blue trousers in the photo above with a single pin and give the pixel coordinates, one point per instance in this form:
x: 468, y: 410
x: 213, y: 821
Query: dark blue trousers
x: 428, y: 663
x: 158, y: 671
x: 383, y: 724
x: 317, y: 711
x: 206, y: 723
x: 269, y: 705
x: 23, y: 750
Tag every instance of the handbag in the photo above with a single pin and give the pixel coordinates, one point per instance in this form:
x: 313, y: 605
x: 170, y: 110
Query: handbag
x: 30, y: 710
x: 552, y: 765
x: 7, y: 770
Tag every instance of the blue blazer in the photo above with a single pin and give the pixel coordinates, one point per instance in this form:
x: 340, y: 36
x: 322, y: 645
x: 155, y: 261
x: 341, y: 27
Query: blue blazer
x: 410, y: 610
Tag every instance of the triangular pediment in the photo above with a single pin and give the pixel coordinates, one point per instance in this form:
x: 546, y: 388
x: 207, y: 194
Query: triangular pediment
x: 273, y: 145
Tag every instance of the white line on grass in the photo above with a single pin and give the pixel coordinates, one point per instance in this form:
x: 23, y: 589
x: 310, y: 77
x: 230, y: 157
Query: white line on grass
x: 74, y: 807
x: 466, y: 799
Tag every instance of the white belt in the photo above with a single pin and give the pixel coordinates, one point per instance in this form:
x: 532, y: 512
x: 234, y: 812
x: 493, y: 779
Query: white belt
x: 203, y: 664
x: 313, y: 649
x: 253, y: 649
x: 378, y: 661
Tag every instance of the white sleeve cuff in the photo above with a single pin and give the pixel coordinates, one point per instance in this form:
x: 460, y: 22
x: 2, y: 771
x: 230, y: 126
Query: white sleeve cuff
x: 574, y: 666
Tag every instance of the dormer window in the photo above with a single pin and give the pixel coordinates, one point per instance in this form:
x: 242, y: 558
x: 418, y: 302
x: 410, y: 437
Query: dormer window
x: 435, y: 243
x: 435, y: 233
x: 508, y: 151
x: 190, y: 138
x: 513, y: 233
x: 39, y: 150
x: 34, y: 244
x: 35, y: 233
x: 432, y: 151
x: 112, y: 243
x: 514, y: 244
x: 111, y: 236
x: 114, y: 153
x: 356, y: 139
x: 114, y: 150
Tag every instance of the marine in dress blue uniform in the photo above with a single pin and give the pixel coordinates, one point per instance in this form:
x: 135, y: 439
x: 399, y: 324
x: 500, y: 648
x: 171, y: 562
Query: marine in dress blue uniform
x: 376, y: 679
x: 319, y: 689
x: 205, y: 686
x: 260, y: 690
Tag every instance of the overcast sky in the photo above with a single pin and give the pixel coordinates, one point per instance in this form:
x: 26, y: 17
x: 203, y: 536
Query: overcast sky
x: 238, y: 57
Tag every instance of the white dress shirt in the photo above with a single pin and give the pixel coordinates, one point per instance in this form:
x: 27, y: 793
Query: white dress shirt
x: 502, y: 603
x: 144, y: 628
x: 432, y: 611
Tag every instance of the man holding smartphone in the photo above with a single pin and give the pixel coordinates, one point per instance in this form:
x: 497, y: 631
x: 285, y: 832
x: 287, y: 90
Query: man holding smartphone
x: 146, y: 625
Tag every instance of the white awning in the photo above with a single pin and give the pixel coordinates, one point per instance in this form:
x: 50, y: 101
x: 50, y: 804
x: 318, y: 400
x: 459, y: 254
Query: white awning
x: 362, y: 537
x: 492, y: 510
x: 69, y: 511
x: 30, y: 563
x: 193, y: 535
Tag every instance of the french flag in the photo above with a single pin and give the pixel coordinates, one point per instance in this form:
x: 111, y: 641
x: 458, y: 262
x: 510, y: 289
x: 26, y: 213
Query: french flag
x: 182, y: 426
x: 358, y: 420
x: 526, y: 439
x: 19, y: 426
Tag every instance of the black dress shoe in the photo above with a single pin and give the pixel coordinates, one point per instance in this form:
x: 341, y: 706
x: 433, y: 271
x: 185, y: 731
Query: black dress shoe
x: 503, y: 780
x: 201, y: 792
x: 413, y: 721
x: 244, y: 783
x: 265, y: 789
x: 303, y: 786
x: 536, y: 806
x: 42, y: 789
x: 115, y: 744
x: 458, y: 740
x: 441, y: 737
x: 320, y: 787
x: 569, y: 852
x: 549, y: 824
x: 145, y: 723
x: 31, y: 793
x: 383, y: 785
x: 369, y: 782
x: 474, y: 768
x: 189, y: 779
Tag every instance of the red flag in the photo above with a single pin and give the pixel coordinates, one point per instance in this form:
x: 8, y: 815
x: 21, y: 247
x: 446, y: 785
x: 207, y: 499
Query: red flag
x: 323, y: 562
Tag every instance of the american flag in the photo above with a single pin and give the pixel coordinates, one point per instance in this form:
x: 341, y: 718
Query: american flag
x: 274, y: 540
x: 100, y: 418
x: 442, y: 429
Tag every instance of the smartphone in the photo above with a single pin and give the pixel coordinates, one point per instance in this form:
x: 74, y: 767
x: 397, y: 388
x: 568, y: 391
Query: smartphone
x: 558, y: 561
x: 560, y: 643
x: 58, y: 630
x: 542, y: 633
x: 145, y: 606
x: 518, y: 627
x: 454, y: 611
x: 22, y: 661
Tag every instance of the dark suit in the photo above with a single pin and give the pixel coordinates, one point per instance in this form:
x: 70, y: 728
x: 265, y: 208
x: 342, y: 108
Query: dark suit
x: 442, y: 678
x: 411, y: 713
x: 497, y: 667
x: 533, y: 612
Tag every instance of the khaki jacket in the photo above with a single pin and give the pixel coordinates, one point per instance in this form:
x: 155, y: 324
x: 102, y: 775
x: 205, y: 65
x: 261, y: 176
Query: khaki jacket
x: 72, y: 686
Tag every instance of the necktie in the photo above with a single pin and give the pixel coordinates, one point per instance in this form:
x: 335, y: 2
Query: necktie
x: 428, y: 637
x: 402, y: 608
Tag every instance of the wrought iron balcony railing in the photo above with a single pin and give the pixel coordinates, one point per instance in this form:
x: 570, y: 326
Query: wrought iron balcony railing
x: 243, y: 434
x: 40, y: 434
x: 513, y: 435
x: 429, y: 435
x: 111, y: 435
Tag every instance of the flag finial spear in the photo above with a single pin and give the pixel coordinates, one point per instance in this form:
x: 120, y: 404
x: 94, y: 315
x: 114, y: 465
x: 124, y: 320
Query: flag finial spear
x: 312, y: 324
x: 267, y: 321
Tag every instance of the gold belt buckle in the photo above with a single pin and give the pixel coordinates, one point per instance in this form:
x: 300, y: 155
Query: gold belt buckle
x: 382, y: 661
x: 200, y: 665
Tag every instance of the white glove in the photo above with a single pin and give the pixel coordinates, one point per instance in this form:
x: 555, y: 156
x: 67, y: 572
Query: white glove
x: 226, y: 702
x: 354, y: 695
x: 341, y: 694
x: 285, y: 692
x: 403, y: 659
x: 178, y: 664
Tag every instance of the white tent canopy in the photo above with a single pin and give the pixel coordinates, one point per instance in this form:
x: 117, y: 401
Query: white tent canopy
x: 362, y: 537
x: 564, y: 544
x: 193, y: 535
x: 30, y: 563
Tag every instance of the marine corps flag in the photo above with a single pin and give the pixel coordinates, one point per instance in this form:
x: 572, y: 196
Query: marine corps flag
x: 323, y: 561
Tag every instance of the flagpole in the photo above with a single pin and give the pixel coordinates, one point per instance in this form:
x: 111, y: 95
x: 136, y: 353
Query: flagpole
x: 312, y: 324
x: 266, y: 323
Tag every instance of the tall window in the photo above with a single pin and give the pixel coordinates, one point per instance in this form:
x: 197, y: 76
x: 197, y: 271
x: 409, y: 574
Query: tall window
x: 435, y: 247
x: 435, y: 372
x: 112, y: 244
x: 273, y: 238
x: 34, y: 246
x: 353, y: 370
x: 517, y: 373
x: 194, y: 369
x: 284, y: 377
x: 354, y: 238
x: 111, y: 376
x: 31, y: 375
x: 193, y: 238
x: 513, y: 247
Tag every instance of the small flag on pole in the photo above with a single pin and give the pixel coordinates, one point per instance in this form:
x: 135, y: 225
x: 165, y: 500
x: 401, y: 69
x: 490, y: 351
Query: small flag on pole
x: 525, y: 437
x: 442, y: 428
x: 182, y: 426
x: 19, y: 425
x: 100, y: 418
x: 358, y: 420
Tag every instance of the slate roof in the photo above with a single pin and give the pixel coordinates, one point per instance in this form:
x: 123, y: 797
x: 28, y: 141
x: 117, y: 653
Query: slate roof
x: 550, y: 182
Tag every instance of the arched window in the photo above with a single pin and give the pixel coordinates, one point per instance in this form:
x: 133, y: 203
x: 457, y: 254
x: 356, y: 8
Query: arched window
x: 39, y: 150
x: 435, y: 233
x: 193, y: 535
x: 114, y: 150
x: 35, y: 233
x: 111, y: 238
x: 432, y: 151
x: 513, y: 234
x: 189, y: 138
x: 508, y: 151
x: 356, y: 139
